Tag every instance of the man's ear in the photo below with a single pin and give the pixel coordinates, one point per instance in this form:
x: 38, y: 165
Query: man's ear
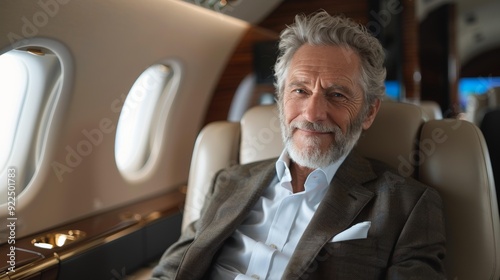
x: 372, y: 112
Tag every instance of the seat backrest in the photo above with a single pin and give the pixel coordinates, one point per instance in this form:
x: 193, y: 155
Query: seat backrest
x: 431, y: 109
x: 451, y: 155
x: 490, y: 127
x: 391, y: 139
x: 493, y: 97
x: 260, y: 134
x: 216, y: 147
x: 476, y: 104
x: 454, y: 160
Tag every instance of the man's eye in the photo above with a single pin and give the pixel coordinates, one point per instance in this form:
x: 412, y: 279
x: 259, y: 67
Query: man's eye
x: 337, y: 95
x: 300, y: 91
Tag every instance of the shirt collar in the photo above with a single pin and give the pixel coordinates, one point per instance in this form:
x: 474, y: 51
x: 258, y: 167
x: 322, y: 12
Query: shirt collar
x: 283, y: 171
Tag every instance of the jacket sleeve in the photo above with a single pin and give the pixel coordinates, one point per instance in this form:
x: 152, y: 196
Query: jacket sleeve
x: 172, y: 258
x: 420, y: 249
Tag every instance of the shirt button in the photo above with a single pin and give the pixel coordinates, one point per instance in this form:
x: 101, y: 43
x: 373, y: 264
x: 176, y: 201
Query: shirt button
x: 255, y: 276
x: 273, y: 246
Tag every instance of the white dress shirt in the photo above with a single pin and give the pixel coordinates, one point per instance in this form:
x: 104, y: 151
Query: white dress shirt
x: 262, y: 245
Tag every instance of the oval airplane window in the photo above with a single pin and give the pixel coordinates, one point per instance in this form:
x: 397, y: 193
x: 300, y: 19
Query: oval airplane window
x: 31, y: 80
x: 140, y: 128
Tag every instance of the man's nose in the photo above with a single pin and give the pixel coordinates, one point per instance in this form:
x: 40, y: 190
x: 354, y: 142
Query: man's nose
x: 315, y: 108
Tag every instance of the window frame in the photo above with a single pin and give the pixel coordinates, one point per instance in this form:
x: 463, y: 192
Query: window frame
x: 46, y: 128
x: 156, y: 129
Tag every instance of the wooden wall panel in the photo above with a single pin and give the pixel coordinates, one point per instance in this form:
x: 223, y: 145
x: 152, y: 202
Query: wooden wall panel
x: 410, y: 51
x: 285, y: 13
x: 436, y: 57
x: 238, y: 67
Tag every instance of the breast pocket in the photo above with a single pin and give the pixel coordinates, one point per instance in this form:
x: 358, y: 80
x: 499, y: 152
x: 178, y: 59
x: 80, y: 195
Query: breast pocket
x: 351, y: 259
x: 357, y: 254
x: 356, y: 247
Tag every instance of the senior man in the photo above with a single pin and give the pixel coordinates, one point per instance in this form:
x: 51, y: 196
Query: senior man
x: 319, y: 211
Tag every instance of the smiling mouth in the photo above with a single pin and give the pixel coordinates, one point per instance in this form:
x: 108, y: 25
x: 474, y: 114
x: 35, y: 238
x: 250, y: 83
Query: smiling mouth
x: 314, y: 132
x: 308, y: 129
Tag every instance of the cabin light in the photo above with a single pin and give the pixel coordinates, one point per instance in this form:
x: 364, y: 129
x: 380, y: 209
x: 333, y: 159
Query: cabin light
x: 61, y: 238
x: 57, y: 239
x: 43, y: 245
x: 417, y: 77
x: 37, y: 52
x: 153, y: 216
x: 216, y: 5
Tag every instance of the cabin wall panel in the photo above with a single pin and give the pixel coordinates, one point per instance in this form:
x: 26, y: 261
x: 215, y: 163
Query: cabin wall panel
x: 112, y: 42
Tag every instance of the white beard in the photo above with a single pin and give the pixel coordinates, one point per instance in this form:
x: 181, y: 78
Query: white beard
x: 312, y: 156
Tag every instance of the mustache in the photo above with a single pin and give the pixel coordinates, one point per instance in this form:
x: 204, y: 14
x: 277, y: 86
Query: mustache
x: 316, y: 127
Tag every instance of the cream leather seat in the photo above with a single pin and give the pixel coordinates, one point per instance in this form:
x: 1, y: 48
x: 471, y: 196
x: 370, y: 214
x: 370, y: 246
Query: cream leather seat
x: 431, y: 109
x: 490, y: 128
x: 478, y: 105
x: 457, y: 168
x: 456, y: 163
x: 258, y: 137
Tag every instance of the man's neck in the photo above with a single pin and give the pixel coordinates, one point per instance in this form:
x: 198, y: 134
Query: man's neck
x: 299, y: 176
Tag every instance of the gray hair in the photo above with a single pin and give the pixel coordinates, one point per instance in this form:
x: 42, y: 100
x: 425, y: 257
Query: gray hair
x: 323, y: 29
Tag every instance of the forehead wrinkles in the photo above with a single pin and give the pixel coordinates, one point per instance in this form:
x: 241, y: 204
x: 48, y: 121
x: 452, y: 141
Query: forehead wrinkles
x: 329, y: 76
x: 329, y: 64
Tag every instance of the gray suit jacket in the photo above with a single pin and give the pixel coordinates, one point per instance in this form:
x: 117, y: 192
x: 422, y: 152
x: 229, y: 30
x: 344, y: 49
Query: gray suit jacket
x: 406, y: 239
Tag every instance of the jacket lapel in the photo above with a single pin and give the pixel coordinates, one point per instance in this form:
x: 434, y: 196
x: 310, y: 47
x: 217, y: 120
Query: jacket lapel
x: 345, y: 198
x: 234, y: 198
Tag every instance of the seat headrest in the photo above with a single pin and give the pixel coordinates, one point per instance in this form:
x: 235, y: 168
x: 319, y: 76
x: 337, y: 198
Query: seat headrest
x: 260, y: 134
x: 431, y: 110
x: 393, y: 136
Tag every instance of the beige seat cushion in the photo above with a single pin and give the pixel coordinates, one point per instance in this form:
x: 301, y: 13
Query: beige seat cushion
x: 457, y: 164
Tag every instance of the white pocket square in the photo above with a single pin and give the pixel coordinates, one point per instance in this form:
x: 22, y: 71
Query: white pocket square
x: 357, y: 231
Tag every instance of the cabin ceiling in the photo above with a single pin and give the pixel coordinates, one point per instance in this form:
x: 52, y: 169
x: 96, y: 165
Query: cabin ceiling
x: 478, y: 26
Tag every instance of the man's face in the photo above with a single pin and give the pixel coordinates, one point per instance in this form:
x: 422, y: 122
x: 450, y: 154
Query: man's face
x: 322, y: 104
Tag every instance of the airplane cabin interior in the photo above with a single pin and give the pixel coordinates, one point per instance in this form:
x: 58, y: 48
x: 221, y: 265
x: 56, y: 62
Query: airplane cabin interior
x: 116, y: 115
